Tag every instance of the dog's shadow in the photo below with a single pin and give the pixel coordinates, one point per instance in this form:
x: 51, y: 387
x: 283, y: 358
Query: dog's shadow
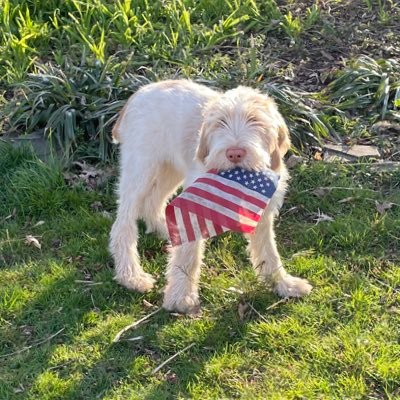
x: 161, y: 335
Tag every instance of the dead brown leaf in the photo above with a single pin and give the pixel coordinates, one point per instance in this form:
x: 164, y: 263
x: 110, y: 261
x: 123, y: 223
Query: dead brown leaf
x: 242, y: 308
x: 38, y: 224
x: 321, y: 191
x: 382, y: 207
x: 318, y: 156
x: 346, y: 200
x: 321, y: 217
x: 32, y: 241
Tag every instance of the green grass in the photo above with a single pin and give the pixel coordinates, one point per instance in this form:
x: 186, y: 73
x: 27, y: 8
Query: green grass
x: 340, y: 342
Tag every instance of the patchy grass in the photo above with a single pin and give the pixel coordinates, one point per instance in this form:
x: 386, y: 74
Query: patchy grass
x: 340, y: 342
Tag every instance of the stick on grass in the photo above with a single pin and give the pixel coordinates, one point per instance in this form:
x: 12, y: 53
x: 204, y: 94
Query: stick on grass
x: 134, y: 325
x: 32, y: 345
x: 155, y: 370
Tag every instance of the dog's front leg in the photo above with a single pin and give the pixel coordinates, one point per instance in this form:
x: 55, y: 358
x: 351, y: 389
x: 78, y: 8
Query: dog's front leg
x: 267, y: 262
x: 183, y: 273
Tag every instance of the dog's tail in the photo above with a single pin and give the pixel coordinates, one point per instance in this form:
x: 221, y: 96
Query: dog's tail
x: 116, y: 133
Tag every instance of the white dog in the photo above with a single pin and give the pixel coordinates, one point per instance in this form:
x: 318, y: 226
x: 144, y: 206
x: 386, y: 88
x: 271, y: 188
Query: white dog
x: 170, y: 133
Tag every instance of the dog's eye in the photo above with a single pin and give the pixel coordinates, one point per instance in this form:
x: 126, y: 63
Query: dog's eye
x: 252, y: 120
x: 223, y: 122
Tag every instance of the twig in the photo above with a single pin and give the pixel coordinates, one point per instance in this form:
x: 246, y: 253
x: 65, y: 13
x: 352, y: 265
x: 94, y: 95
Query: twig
x: 284, y: 300
x: 134, y: 325
x: 32, y: 345
x: 339, y: 188
x: 155, y: 370
x: 387, y: 285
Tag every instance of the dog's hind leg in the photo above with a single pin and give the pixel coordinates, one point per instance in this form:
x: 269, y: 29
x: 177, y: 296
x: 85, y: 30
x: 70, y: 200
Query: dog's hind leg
x: 137, y: 178
x: 153, y: 208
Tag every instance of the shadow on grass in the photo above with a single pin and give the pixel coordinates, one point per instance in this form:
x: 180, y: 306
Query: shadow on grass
x: 61, y: 304
x: 175, y: 379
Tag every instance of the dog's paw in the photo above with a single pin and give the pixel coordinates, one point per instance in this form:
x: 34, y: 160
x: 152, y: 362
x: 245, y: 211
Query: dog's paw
x: 291, y: 286
x: 186, y: 304
x: 140, y: 283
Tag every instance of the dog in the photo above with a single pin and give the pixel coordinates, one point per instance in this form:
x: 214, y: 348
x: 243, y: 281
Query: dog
x: 170, y: 133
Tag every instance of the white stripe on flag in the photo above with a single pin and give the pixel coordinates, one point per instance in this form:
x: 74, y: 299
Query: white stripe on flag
x: 227, y: 196
x: 216, y: 207
x: 237, y: 186
x: 195, y: 225
x: 210, y: 227
x: 180, y: 224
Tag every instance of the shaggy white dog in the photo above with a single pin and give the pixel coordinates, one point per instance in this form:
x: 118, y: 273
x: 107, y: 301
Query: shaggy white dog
x: 170, y: 133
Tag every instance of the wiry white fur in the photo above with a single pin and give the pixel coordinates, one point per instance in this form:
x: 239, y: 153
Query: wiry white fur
x: 170, y: 133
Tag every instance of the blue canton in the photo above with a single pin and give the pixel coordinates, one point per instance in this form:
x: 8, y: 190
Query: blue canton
x: 264, y: 183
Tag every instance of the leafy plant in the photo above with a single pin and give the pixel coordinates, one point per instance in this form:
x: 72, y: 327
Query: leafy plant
x: 58, y: 99
x: 308, y: 118
x: 291, y: 25
x: 369, y: 86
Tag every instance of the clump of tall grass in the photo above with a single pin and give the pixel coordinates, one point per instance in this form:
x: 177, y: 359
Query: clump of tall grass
x: 370, y: 87
x: 72, y: 105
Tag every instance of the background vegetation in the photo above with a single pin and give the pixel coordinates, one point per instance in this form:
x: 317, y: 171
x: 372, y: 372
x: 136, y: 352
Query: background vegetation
x: 66, y: 67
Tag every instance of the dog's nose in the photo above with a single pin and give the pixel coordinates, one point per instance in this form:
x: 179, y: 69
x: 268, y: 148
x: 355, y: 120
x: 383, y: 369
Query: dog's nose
x: 235, y: 154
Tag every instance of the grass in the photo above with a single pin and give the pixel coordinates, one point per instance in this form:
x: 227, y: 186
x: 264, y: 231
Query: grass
x: 340, y: 342
x: 65, y: 68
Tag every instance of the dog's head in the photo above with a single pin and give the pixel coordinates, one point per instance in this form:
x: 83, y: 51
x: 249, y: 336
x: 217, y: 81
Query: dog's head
x: 243, y: 128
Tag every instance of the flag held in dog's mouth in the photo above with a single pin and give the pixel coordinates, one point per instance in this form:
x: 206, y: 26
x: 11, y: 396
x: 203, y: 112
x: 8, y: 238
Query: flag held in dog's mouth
x: 231, y: 200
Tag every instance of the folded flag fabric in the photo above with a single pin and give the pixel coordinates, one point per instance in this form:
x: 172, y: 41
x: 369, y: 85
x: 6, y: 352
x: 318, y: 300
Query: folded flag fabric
x: 231, y: 200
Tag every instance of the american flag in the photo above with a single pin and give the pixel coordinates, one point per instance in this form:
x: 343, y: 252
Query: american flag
x: 231, y: 200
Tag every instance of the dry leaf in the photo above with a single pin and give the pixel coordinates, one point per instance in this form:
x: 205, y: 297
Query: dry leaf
x: 321, y: 191
x: 234, y: 290
x: 346, y: 200
x: 321, y: 217
x: 382, y: 207
x: 242, y: 308
x: 19, y: 389
x: 31, y: 240
x: 147, y: 304
x: 38, y: 224
x: 12, y: 215
x: 318, y: 156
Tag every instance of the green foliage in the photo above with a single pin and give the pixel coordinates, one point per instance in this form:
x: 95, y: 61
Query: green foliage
x: 369, y: 86
x: 305, y: 116
x: 72, y: 105
x: 66, y: 67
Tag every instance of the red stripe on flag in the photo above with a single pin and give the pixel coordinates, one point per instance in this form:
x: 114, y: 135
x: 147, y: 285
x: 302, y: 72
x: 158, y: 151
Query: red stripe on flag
x: 218, y: 229
x: 213, y: 215
x: 233, y: 191
x: 172, y: 226
x: 224, y: 202
x: 188, y: 225
x: 203, y: 227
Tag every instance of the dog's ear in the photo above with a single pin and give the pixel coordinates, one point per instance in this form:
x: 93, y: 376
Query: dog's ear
x: 282, y: 144
x: 202, y: 148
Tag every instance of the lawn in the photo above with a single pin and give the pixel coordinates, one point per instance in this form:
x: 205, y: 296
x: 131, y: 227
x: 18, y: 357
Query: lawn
x: 340, y: 342
x: 66, y: 68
